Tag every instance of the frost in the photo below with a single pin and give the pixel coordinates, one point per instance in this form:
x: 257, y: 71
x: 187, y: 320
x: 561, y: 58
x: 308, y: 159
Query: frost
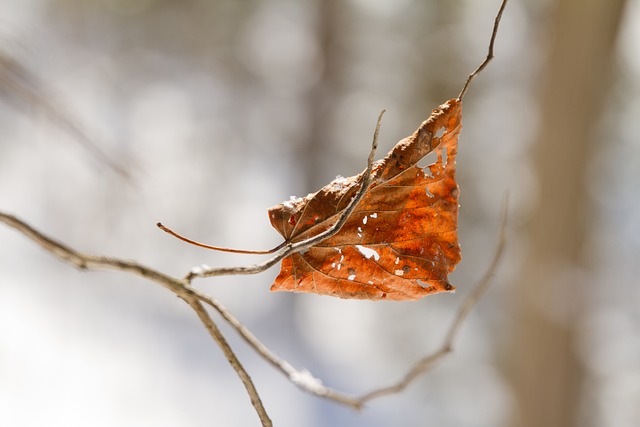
x: 364, y: 220
x: 399, y: 272
x: 368, y: 252
x: 374, y: 215
x: 200, y: 269
x: 353, y: 276
x: 306, y: 380
x: 397, y: 260
x: 292, y: 199
x: 340, y: 181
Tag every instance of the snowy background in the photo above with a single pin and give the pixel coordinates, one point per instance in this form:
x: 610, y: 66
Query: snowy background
x: 219, y: 110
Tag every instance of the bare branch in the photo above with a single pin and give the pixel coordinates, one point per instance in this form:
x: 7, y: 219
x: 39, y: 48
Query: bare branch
x: 91, y: 262
x: 292, y: 248
x: 489, y: 57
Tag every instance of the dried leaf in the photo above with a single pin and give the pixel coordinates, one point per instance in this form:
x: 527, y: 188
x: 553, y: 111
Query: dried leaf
x: 400, y: 242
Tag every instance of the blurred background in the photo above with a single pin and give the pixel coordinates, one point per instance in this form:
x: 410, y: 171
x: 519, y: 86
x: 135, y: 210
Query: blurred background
x: 116, y: 114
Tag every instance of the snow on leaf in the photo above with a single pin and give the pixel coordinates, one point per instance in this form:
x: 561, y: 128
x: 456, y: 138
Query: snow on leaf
x: 368, y: 252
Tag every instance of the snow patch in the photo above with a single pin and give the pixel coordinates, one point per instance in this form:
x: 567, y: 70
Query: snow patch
x: 200, y: 269
x: 292, y: 199
x: 306, y: 380
x: 368, y: 252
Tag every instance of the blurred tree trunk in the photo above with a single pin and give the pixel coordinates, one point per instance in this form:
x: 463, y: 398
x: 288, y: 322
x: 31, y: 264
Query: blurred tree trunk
x: 542, y: 362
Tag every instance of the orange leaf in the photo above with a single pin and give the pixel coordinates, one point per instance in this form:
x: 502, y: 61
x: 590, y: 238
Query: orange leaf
x: 400, y: 242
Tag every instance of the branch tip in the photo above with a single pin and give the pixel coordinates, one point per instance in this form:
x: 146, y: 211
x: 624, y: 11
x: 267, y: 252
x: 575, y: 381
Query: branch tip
x: 489, y: 56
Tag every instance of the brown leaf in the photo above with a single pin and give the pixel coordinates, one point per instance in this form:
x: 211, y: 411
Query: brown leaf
x: 401, y: 240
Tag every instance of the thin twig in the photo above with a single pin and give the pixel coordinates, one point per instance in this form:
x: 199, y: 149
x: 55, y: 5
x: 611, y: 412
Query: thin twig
x: 489, y: 57
x: 428, y: 362
x: 292, y: 248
